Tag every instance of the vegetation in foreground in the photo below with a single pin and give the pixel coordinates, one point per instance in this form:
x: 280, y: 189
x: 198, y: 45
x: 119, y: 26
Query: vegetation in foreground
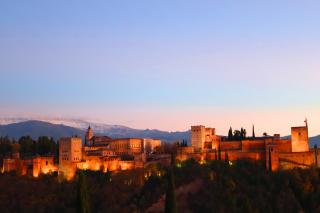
x: 209, y: 187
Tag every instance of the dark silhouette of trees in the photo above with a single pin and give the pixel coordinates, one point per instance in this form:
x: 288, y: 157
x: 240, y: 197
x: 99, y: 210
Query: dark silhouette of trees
x: 230, y: 134
x: 219, y: 152
x: 215, y: 154
x: 239, y: 134
x: 5, y: 146
x: 184, y: 143
x: 82, y: 194
x: 170, y: 203
x: 243, y: 133
x: 243, y: 187
x: 226, y: 159
x: 43, y: 146
x: 253, y: 133
x: 27, y: 146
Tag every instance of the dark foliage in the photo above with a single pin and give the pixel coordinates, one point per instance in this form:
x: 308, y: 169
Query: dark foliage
x: 241, y: 187
x: 170, y: 204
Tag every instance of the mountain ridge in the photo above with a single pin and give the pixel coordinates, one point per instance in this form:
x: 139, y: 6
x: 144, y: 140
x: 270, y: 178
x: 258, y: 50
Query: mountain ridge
x: 57, y: 128
x: 36, y: 128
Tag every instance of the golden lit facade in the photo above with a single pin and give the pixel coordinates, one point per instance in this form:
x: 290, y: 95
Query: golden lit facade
x: 277, y: 153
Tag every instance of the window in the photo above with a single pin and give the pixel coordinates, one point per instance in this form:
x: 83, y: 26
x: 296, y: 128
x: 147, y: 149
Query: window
x: 46, y: 162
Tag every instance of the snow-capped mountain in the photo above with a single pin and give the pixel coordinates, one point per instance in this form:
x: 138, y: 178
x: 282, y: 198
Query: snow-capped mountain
x: 99, y: 128
x: 58, y: 127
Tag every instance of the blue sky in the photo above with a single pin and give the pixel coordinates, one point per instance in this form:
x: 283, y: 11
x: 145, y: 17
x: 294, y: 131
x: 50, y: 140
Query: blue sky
x: 163, y: 64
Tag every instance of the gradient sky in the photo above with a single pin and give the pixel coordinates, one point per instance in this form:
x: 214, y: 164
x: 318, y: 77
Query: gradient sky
x: 163, y: 64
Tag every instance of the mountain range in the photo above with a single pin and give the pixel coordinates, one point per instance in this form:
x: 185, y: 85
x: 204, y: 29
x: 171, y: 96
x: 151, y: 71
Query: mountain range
x: 57, y: 128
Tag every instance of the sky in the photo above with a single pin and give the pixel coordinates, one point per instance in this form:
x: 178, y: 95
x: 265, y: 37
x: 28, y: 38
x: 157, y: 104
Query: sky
x: 163, y: 64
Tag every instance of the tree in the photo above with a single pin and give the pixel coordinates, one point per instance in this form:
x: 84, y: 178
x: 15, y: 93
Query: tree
x: 170, y: 204
x: 265, y: 134
x: 237, y: 135
x: 219, y: 153
x: 215, y: 154
x: 269, y: 162
x: 230, y: 135
x: 243, y: 133
x: 184, y: 143
x: 5, y: 145
x: 173, y: 159
x: 82, y: 195
x: 253, y: 133
x: 27, y: 146
x: 226, y: 159
x: 45, y: 145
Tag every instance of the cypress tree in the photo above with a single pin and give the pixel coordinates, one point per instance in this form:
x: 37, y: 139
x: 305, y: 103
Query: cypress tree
x: 241, y: 133
x: 170, y: 205
x: 230, y: 135
x: 226, y: 159
x: 82, y: 194
x: 215, y: 154
x: 173, y: 160
x: 269, y: 163
x: 219, y: 153
x: 253, y: 133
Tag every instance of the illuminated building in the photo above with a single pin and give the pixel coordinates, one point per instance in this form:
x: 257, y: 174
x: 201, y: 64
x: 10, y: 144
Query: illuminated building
x: 277, y: 153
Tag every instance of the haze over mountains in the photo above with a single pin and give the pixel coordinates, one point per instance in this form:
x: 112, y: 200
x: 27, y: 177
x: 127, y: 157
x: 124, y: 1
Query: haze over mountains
x: 57, y: 128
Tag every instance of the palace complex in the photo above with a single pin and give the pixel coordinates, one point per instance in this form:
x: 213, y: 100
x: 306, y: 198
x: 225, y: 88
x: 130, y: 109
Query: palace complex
x: 97, y: 153
x: 275, y: 152
x: 102, y: 153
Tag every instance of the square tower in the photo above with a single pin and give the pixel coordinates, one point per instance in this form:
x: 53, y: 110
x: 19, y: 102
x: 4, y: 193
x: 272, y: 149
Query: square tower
x: 198, y: 136
x: 70, y: 150
x: 300, y: 139
x: 70, y: 153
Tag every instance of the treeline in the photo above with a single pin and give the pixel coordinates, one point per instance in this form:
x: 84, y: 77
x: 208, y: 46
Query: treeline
x: 237, y: 134
x: 241, y: 134
x: 215, y: 186
x: 26, y: 146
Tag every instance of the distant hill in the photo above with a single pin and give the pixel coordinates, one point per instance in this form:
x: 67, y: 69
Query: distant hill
x: 35, y: 128
x: 314, y: 140
x: 148, y: 133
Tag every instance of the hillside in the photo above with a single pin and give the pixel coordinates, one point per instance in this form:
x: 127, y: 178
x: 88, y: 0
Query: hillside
x: 314, y: 140
x: 36, y: 128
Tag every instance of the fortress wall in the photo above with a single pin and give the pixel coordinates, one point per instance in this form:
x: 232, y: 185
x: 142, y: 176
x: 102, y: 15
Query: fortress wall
x: 230, y: 145
x: 284, y: 145
x: 248, y: 145
x: 232, y: 155
x: 296, y: 159
x: 9, y: 165
x: 90, y: 162
x: 236, y: 155
x: 185, y: 150
x: 68, y: 170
